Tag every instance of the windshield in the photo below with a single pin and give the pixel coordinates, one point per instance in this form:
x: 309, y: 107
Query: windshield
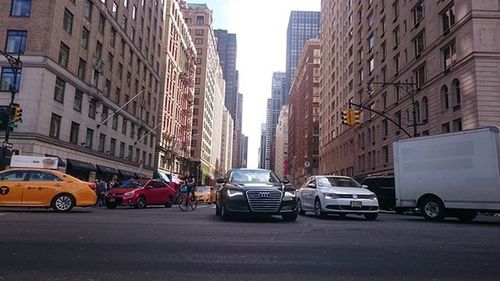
x: 131, y: 184
x: 338, y: 182
x: 261, y: 176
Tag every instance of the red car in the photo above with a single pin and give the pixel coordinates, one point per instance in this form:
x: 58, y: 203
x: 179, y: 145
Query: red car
x: 141, y: 193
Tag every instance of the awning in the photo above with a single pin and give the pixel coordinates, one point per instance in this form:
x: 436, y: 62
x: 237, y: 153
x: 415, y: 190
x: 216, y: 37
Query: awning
x: 126, y: 174
x: 80, y: 165
x: 60, y: 162
x: 106, y: 170
x: 140, y: 176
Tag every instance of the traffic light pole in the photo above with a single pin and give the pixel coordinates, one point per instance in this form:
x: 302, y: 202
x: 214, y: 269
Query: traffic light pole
x: 381, y: 114
x: 15, y: 64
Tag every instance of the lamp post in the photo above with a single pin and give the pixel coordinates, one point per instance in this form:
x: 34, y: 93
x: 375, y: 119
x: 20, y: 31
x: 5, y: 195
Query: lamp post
x: 15, y: 64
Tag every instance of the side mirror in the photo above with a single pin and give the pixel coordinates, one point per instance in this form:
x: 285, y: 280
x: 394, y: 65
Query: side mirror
x: 221, y: 180
x: 364, y: 186
x: 285, y: 181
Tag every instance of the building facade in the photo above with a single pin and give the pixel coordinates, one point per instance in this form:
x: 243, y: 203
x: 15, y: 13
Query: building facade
x: 281, y: 155
x: 90, y: 82
x: 176, y: 94
x: 302, y: 26
x: 274, y: 105
x: 244, y: 151
x: 209, y: 93
x: 227, y: 143
x: 262, y: 147
x: 433, y: 64
x: 303, y: 120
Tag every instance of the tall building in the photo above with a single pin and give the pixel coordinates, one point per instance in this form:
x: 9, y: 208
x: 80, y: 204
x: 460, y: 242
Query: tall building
x: 303, y: 118
x: 177, y: 93
x: 90, y: 82
x: 227, y: 49
x: 238, y: 162
x: 274, y: 105
x: 227, y: 143
x: 244, y: 152
x: 302, y: 26
x: 262, y: 147
x: 208, y: 93
x: 281, y: 154
x: 438, y: 59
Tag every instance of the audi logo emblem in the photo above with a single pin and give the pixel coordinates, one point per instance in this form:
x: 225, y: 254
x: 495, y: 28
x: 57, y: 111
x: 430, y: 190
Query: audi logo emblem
x: 354, y: 196
x: 264, y: 195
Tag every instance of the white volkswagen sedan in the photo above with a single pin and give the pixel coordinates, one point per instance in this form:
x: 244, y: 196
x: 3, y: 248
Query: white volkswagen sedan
x: 336, y: 195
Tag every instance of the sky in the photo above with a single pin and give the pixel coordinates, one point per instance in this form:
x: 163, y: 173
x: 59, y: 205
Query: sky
x: 260, y: 27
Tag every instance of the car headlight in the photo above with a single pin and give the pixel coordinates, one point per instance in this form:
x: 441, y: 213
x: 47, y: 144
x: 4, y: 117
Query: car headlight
x: 372, y: 197
x: 289, y: 195
x: 233, y: 193
x: 128, y: 193
x: 331, y: 196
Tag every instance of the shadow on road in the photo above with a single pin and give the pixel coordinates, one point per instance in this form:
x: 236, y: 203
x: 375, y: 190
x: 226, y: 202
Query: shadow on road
x: 44, y: 210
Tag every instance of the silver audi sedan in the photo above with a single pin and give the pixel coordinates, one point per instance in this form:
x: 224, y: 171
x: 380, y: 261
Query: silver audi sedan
x: 340, y: 195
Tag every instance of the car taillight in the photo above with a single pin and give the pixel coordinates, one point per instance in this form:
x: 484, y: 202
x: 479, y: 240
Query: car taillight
x: 92, y: 186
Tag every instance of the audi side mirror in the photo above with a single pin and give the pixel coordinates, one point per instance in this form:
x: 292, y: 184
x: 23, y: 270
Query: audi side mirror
x: 221, y: 180
x: 285, y: 181
x: 364, y: 186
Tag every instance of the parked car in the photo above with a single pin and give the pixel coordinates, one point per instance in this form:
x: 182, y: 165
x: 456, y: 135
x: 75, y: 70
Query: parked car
x: 340, y: 195
x: 203, y: 194
x: 30, y: 187
x: 384, y: 188
x: 255, y: 192
x: 141, y: 193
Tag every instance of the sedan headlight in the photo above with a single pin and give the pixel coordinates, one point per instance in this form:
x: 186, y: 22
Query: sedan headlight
x: 233, y: 193
x: 372, y: 197
x: 331, y: 196
x: 128, y: 193
x: 289, y: 195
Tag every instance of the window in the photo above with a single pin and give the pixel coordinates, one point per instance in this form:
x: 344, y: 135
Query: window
x: 16, y: 41
x: 82, y: 64
x: 395, y: 9
x: 419, y: 73
x: 125, y: 3
x: 449, y: 55
x: 92, y: 109
x: 457, y: 99
x: 371, y: 64
x: 457, y: 125
x: 123, y: 23
x: 124, y: 126
x: 73, y: 134
x: 199, y: 32
x: 55, y: 125
x: 77, y: 103
x: 107, y: 88
x: 417, y: 112
x: 371, y: 41
x: 20, y: 8
x: 89, y: 138
x: 114, y: 10
x: 370, y: 20
x: 198, y: 41
x: 419, y: 43
x: 385, y: 127
x: 200, y: 20
x: 95, y: 78
x: 7, y: 79
x: 114, y: 124
x: 122, y: 150
x: 102, y: 142
x: 87, y: 10
x: 418, y: 12
x: 445, y: 128
x: 63, y: 55
x: 398, y: 118
x: 68, y: 21
x: 59, y: 90
x: 383, y: 50
x: 104, y: 115
x: 84, y: 42
x: 448, y: 18
x: 395, y: 36
x: 134, y: 12
x: 425, y: 110
x: 43, y: 176
x: 102, y: 24
x: 396, y: 64
x: 112, y: 146
x: 13, y: 176
x: 445, y: 100
x: 110, y: 62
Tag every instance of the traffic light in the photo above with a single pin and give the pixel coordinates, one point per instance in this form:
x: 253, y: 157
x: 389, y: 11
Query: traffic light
x: 17, y: 113
x: 346, y: 118
x: 354, y: 116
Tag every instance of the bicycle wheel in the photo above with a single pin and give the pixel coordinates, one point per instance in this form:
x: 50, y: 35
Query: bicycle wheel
x: 182, y: 204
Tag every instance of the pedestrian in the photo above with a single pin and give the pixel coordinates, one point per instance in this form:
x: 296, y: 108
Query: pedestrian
x: 101, y: 191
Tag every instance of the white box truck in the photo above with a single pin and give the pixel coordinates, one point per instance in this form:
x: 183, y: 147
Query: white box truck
x: 454, y: 174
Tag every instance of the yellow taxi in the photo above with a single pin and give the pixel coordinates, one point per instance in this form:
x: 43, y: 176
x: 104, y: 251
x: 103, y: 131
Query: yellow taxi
x: 32, y: 187
x: 203, y: 194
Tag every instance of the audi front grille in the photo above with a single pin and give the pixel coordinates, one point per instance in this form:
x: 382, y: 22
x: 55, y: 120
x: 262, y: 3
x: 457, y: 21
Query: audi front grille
x: 264, y: 201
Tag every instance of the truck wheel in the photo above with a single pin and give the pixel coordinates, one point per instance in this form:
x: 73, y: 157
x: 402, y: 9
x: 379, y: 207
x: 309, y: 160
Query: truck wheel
x: 467, y: 216
x: 432, y: 209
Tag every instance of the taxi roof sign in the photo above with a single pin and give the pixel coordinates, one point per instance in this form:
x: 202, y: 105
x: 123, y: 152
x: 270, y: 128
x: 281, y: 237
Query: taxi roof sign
x: 22, y: 161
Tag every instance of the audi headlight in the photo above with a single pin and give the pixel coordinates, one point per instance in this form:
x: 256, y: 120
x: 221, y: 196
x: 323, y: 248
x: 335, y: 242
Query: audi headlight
x: 128, y: 193
x: 331, y: 196
x: 372, y: 197
x: 289, y: 195
x: 233, y: 193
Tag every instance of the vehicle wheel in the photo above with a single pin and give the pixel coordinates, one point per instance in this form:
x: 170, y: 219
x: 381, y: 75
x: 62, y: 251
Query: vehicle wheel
x: 170, y: 202
x: 63, y: 203
x: 317, y: 209
x: 217, y: 210
x: 141, y: 202
x: 371, y: 216
x: 467, y: 216
x: 432, y: 209
x: 290, y: 216
x: 225, y: 214
x: 110, y: 206
x: 299, y: 208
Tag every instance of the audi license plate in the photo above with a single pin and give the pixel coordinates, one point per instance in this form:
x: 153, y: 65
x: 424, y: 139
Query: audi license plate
x: 112, y: 199
x: 356, y: 204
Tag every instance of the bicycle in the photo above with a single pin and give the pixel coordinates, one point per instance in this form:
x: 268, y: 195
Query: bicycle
x: 192, y: 202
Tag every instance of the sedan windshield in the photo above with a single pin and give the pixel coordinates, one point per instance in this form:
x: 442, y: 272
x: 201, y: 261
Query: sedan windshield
x: 261, y: 176
x: 339, y: 182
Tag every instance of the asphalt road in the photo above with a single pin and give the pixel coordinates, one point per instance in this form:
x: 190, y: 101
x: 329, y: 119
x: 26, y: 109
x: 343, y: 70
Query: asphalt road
x: 167, y: 244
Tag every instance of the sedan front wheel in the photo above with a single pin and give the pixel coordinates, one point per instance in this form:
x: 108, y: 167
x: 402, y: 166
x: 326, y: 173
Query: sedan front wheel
x: 318, y: 211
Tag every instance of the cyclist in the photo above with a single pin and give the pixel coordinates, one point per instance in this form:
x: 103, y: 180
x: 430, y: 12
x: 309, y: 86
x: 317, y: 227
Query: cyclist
x: 191, y: 186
